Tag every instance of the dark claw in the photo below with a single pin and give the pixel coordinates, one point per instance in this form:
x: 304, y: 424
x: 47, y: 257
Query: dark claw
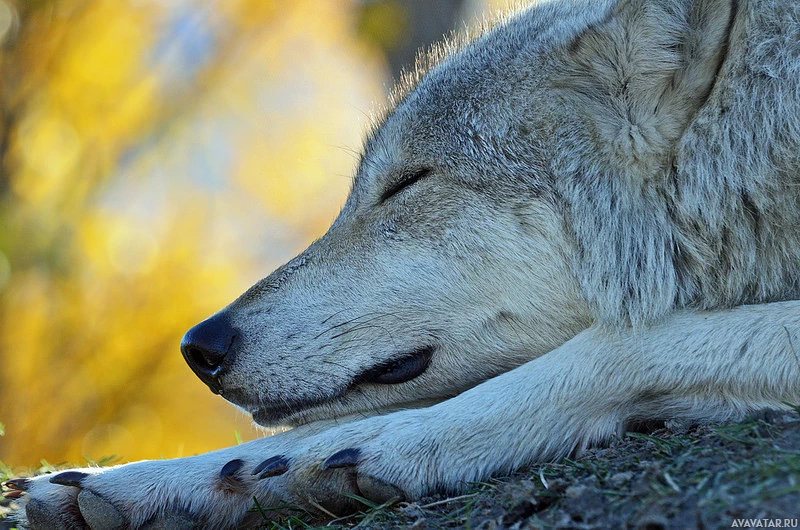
x: 18, y: 484
x: 230, y: 468
x: 69, y: 478
x: 272, y: 467
x: 260, y: 467
x: 344, y: 458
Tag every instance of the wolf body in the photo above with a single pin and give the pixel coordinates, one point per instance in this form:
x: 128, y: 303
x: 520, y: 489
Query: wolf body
x: 583, y: 218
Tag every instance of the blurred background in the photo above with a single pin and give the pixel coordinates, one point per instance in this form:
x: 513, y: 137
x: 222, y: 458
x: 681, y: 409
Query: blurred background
x: 157, y: 157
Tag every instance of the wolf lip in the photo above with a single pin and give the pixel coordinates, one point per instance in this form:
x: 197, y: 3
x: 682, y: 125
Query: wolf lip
x: 270, y: 416
x: 400, y: 370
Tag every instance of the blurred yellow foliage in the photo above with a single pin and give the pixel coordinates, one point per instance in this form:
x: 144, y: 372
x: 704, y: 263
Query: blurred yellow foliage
x: 157, y: 158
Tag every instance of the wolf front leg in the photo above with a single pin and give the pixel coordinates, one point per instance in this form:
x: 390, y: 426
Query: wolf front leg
x: 212, y: 490
x: 695, y: 366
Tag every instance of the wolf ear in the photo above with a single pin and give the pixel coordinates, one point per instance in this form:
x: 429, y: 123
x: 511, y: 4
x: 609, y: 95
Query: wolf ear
x: 642, y: 74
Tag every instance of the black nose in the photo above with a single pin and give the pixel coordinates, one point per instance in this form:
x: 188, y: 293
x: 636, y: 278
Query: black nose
x: 205, y: 348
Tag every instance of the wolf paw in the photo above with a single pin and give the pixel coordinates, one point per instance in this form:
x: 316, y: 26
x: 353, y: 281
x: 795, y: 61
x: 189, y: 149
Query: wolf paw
x: 370, y: 487
x: 98, y: 512
x: 336, y: 484
x: 42, y: 504
x: 147, y: 495
x: 332, y: 472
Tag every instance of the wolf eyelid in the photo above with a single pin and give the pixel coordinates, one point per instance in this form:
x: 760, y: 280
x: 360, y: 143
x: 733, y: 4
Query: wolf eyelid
x: 403, y: 183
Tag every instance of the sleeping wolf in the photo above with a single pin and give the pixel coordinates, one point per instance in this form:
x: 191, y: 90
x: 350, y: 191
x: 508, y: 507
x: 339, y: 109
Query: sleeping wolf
x: 584, y: 217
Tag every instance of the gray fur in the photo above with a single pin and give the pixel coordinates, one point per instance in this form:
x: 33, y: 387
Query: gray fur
x: 605, y: 232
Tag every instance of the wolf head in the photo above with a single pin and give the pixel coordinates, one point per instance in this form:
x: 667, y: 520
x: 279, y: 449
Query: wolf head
x: 457, y: 255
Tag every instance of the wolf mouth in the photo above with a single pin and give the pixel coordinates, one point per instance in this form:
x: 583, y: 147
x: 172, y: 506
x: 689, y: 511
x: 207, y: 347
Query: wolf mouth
x: 392, y: 372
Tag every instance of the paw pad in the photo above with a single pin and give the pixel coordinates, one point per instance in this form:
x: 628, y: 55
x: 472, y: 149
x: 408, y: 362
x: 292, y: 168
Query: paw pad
x: 98, y: 512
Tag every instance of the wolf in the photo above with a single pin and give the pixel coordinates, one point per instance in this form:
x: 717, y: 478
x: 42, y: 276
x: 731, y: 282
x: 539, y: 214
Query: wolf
x: 581, y: 218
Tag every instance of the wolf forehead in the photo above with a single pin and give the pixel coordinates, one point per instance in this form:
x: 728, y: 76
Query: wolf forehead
x: 480, y: 99
x: 478, y: 87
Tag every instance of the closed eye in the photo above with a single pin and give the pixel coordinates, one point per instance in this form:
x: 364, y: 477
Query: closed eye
x: 404, y: 182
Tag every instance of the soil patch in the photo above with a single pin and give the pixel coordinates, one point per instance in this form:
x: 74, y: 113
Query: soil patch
x: 698, y: 478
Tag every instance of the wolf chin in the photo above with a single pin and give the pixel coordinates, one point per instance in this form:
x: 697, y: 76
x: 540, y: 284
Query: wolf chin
x: 580, y: 218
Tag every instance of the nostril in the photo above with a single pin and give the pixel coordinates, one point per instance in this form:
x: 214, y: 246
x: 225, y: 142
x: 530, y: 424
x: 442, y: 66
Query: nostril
x: 204, y: 359
x: 206, y: 347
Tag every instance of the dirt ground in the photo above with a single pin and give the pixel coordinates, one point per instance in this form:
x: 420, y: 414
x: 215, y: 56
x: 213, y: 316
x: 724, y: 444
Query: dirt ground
x: 698, y: 478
